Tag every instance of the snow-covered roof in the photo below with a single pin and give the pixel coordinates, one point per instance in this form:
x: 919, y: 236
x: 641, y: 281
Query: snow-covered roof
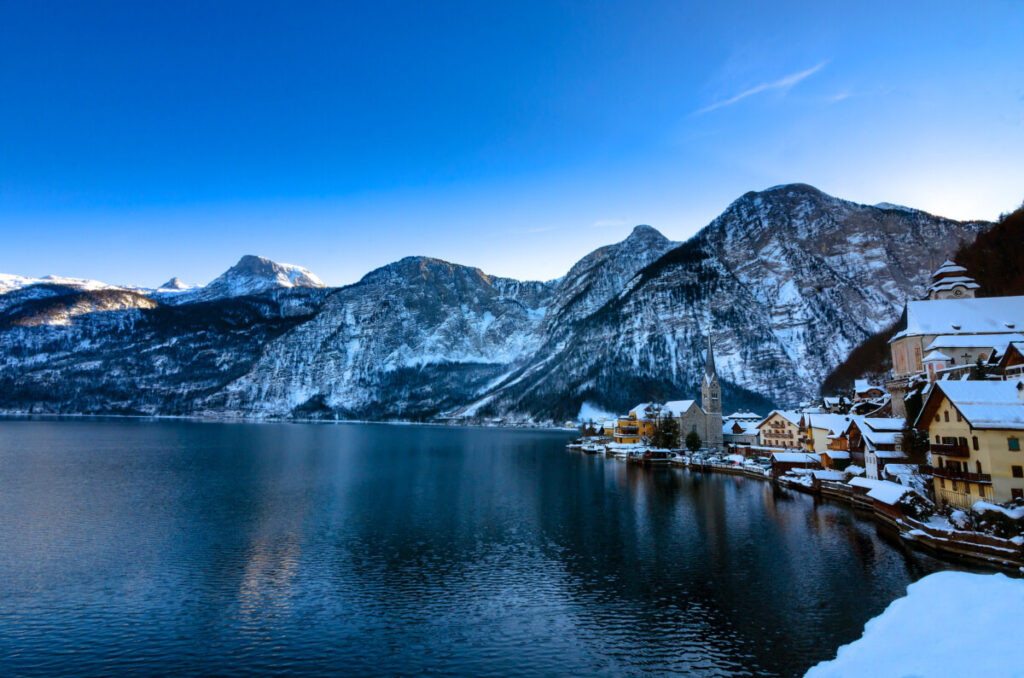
x: 951, y: 282
x: 828, y: 474
x: 830, y: 422
x: 900, y: 469
x: 678, y: 407
x: 865, y: 482
x: 973, y: 340
x: 986, y: 404
x: 936, y: 357
x: 792, y: 416
x: 888, y: 492
x: 948, y: 267
x: 837, y: 454
x: 793, y: 457
x: 862, y: 385
x: 883, y: 423
x: 987, y: 315
x: 744, y: 415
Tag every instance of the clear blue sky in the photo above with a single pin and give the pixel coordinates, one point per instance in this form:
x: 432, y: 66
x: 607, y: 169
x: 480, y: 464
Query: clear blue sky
x: 141, y: 140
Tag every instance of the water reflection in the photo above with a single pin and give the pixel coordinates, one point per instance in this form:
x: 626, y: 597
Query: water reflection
x: 171, y: 548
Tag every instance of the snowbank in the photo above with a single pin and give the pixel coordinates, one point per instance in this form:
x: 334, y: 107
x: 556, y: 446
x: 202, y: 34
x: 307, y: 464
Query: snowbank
x: 912, y: 636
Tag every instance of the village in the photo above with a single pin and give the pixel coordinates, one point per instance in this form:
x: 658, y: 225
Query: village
x: 934, y: 452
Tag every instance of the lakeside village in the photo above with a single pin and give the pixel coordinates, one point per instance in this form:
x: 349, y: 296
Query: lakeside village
x: 934, y: 453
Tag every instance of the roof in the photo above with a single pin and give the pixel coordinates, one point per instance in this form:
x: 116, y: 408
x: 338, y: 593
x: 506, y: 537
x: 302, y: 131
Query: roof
x: 830, y: 422
x: 900, y: 469
x: 794, y: 457
x: 837, y: 454
x: 935, y: 357
x: 888, y: 492
x: 678, y: 407
x: 744, y: 415
x: 709, y: 361
x: 883, y: 423
x: 987, y: 315
x: 974, y: 340
x: 984, y: 404
x: 829, y: 475
x: 861, y: 385
x: 792, y: 416
x: 948, y: 267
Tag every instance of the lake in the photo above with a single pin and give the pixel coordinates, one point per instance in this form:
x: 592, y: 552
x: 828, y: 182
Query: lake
x: 182, y: 548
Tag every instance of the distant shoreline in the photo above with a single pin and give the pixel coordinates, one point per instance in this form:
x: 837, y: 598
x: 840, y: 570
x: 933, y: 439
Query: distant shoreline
x: 268, y: 420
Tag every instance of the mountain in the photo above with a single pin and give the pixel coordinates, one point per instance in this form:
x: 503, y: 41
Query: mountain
x: 788, y: 279
x: 992, y: 259
x: 251, y: 275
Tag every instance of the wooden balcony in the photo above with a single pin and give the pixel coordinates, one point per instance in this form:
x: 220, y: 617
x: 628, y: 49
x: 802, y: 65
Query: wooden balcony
x: 952, y: 474
x: 950, y: 450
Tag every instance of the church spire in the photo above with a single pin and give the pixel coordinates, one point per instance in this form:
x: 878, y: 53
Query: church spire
x: 709, y: 361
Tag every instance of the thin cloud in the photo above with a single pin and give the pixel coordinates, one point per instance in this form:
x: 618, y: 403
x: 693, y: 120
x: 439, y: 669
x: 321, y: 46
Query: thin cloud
x: 781, y: 84
x: 608, y: 223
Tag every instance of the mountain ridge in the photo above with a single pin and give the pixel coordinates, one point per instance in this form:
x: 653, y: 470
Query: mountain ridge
x: 788, y: 279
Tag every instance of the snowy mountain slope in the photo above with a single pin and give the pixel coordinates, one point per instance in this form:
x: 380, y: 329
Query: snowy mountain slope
x: 788, y: 279
x: 408, y: 340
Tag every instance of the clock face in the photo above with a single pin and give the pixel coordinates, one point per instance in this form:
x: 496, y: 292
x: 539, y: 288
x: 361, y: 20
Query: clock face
x: 957, y: 293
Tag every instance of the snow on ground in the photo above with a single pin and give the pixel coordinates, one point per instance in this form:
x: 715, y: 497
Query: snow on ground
x: 948, y: 624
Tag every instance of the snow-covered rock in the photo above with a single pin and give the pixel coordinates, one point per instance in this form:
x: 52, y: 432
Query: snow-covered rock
x: 911, y: 637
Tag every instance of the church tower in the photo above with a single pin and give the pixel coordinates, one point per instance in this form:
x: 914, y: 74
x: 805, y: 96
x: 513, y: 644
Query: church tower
x: 711, y: 401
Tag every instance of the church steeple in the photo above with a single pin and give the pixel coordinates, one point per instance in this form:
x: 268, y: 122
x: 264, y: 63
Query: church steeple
x: 711, y: 399
x: 709, y: 361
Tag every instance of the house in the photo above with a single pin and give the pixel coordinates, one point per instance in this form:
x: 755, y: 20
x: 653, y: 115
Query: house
x: 739, y: 433
x: 816, y: 429
x: 864, y: 390
x: 608, y: 428
x: 783, y: 462
x: 781, y: 428
x: 638, y: 424
x: 882, y: 438
x: 975, y: 430
x: 952, y: 328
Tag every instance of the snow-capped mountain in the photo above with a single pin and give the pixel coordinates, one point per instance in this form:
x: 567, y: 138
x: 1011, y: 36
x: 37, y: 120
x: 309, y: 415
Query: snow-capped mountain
x: 787, y: 279
x: 251, y: 275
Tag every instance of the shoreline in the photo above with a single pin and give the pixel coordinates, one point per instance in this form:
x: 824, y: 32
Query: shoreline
x: 974, y: 547
x: 4, y: 415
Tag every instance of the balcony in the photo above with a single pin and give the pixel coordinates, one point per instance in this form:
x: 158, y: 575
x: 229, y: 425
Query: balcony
x: 950, y: 450
x: 953, y: 474
x: 627, y: 430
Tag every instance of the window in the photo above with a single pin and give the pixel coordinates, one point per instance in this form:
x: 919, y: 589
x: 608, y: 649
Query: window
x: 1013, y: 444
x: 962, y: 442
x: 937, y: 440
x: 1017, y: 471
x: 977, y: 466
x: 1017, y: 494
x: 959, y: 417
x: 946, y: 415
x: 936, y: 416
x: 974, y: 441
x: 942, y: 483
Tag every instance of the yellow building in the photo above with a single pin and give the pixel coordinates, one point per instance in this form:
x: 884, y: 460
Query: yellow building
x: 975, y: 429
x: 781, y: 428
x: 638, y: 425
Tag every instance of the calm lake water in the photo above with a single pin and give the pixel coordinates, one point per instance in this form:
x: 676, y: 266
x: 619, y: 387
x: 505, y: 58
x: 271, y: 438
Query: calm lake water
x: 171, y: 548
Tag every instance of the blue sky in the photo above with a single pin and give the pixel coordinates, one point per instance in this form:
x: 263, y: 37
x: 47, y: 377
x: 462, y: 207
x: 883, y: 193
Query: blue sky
x: 144, y: 140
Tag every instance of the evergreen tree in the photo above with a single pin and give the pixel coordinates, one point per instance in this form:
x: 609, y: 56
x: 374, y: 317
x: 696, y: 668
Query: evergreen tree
x: 666, y: 432
x: 693, y: 441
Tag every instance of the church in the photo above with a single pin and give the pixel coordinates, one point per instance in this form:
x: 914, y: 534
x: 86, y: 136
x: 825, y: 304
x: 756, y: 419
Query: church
x: 704, y: 418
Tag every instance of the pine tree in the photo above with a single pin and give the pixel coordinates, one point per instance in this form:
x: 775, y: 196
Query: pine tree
x: 693, y: 441
x: 666, y: 432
